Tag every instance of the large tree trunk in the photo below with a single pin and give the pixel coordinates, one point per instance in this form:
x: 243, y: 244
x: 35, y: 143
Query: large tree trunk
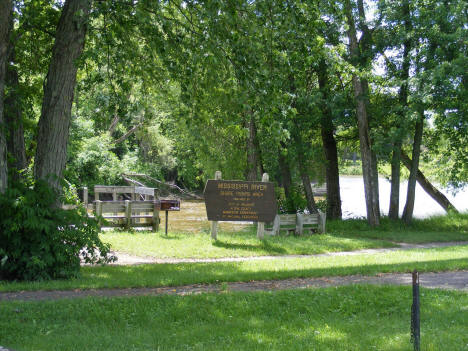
x: 360, y: 94
x: 394, y: 207
x: 440, y: 198
x: 6, y: 8
x: 13, y: 116
x: 329, y: 147
x: 252, y: 153
x: 411, y: 191
x: 311, y: 206
x: 54, y: 123
x: 285, y: 171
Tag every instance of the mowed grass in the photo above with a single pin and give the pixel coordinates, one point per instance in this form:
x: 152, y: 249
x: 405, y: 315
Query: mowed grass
x: 155, y: 275
x: 451, y: 227
x: 231, y: 244
x: 344, y: 318
x: 348, y: 235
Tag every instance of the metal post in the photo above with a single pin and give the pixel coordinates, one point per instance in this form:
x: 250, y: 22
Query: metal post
x: 167, y: 218
x: 415, y: 320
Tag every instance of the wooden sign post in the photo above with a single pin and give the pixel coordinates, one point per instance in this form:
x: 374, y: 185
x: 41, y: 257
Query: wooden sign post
x: 261, y: 225
x: 214, y: 224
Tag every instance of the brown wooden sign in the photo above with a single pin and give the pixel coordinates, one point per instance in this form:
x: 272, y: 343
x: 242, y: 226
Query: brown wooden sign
x: 232, y: 200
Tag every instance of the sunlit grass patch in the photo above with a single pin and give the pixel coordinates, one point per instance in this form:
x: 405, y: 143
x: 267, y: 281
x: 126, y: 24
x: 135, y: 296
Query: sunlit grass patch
x: 231, y: 244
x: 451, y: 227
x: 344, y: 318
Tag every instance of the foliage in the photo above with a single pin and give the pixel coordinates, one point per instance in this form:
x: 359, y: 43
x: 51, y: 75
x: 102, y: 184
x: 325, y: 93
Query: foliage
x: 295, y: 202
x: 40, y: 241
x: 191, y: 75
x: 92, y: 161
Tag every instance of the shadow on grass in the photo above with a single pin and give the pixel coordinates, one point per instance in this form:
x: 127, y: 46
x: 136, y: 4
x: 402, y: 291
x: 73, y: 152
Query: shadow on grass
x: 157, y: 275
x: 261, y: 247
x: 345, y: 318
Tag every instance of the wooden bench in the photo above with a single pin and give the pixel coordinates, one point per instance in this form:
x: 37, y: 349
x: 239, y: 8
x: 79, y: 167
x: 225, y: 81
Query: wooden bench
x: 297, y: 223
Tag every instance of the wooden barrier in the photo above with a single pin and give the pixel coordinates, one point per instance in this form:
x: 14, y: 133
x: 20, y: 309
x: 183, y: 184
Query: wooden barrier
x: 131, y: 213
x: 115, y: 190
x: 314, y: 221
x: 297, y: 223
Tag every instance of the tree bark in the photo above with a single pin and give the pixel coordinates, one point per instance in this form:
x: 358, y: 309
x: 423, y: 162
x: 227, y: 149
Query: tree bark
x: 252, y: 154
x: 440, y: 198
x: 360, y: 94
x: 59, y: 86
x: 311, y: 206
x: 6, y: 9
x: 329, y: 147
x: 13, y: 117
x: 394, y: 208
x: 285, y: 171
x: 411, y: 191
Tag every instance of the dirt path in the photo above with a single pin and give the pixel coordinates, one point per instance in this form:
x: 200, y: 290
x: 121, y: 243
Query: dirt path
x: 128, y: 259
x: 444, y: 280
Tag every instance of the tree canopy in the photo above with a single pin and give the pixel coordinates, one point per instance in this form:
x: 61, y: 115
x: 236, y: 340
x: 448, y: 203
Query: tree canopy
x: 175, y: 89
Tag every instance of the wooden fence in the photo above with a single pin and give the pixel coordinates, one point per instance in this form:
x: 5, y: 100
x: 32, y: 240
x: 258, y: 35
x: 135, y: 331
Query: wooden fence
x: 127, y: 213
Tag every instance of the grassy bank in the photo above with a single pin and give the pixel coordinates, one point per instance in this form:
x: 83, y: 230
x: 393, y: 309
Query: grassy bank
x: 344, y: 318
x: 348, y: 235
x: 451, y: 227
x: 428, y: 260
x: 232, y: 244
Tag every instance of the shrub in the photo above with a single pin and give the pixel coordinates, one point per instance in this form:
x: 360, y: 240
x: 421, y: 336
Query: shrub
x: 39, y: 241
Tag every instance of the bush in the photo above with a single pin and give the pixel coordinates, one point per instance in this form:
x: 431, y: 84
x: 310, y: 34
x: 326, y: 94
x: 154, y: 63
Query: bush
x: 39, y: 241
x: 296, y: 202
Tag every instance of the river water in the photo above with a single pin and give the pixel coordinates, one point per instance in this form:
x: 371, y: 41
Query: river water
x: 353, y: 203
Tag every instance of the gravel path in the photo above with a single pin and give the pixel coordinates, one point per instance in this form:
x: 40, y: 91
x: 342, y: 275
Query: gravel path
x: 444, y: 280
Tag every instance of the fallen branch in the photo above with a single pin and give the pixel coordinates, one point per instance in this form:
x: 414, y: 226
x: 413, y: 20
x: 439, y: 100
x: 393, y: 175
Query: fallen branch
x: 440, y: 198
x: 126, y: 135
x: 183, y: 191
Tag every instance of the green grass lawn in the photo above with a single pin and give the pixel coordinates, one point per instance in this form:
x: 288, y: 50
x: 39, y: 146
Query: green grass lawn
x: 452, y: 227
x: 154, y: 275
x: 229, y: 244
x: 344, y: 318
x: 346, y: 235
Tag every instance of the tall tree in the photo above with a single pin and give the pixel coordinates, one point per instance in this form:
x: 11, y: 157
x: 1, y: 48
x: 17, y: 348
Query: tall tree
x: 394, y: 207
x: 329, y: 146
x: 6, y: 9
x: 359, y: 56
x: 53, y: 128
x: 13, y: 116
